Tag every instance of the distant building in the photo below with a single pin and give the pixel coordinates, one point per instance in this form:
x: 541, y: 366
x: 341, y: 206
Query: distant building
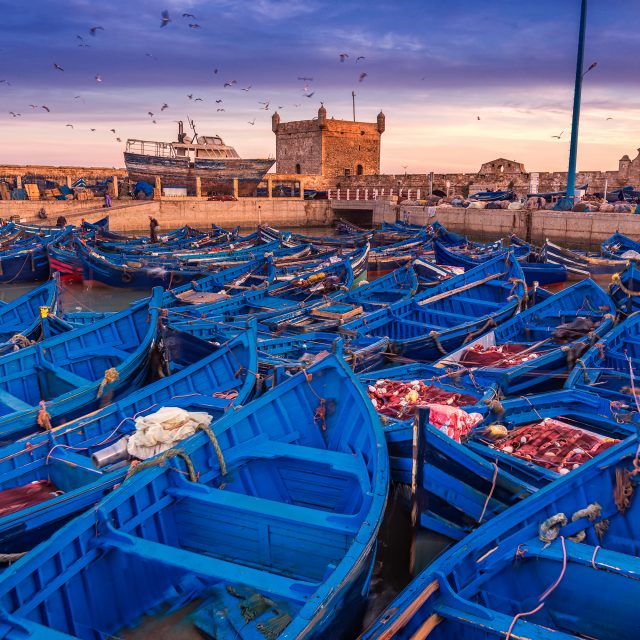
x: 326, y: 147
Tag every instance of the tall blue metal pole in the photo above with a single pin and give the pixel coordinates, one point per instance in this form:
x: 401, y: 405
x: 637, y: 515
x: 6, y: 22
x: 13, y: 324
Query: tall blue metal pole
x: 577, y: 96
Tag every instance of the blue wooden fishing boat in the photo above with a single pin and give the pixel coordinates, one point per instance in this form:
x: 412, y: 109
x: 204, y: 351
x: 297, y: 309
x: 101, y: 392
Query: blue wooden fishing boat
x: 537, y: 348
x: 55, y: 475
x: 620, y: 247
x: 68, y: 375
x: 263, y: 527
x: 386, y: 258
x: 27, y: 261
x: 582, y: 264
x: 561, y: 565
x: 20, y: 319
x: 520, y: 446
x: 400, y: 284
x: 611, y: 367
x: 449, y: 315
x: 534, y: 270
x: 625, y: 288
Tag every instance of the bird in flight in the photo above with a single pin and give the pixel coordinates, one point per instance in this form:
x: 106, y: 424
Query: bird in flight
x: 69, y: 125
x: 215, y: 71
x: 559, y: 136
x: 80, y: 38
x: 247, y: 88
x: 118, y: 140
x: 266, y: 105
x: 112, y: 130
x: 164, y: 106
x: 219, y: 109
x: 98, y: 77
x: 33, y: 106
x: 165, y: 19
x: 308, y: 95
x: 230, y: 83
x: 343, y: 56
x: 252, y: 122
x: 150, y: 114
x: 478, y: 117
x: 359, y: 58
x: 15, y: 115
x: 58, y: 67
x: 198, y: 100
x: 609, y: 118
x: 305, y: 79
x: 190, y: 96
x: 91, y: 129
x: 363, y: 75
x: 189, y: 15
x: 194, y: 26
x: 94, y: 30
x: 44, y: 106
x: 150, y: 55
x: 218, y: 101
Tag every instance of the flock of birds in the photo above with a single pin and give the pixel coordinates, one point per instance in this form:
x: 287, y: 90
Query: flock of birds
x: 165, y: 19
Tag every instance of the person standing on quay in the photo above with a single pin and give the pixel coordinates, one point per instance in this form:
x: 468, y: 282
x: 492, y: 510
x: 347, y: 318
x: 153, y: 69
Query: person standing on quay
x: 107, y: 200
x: 153, y: 229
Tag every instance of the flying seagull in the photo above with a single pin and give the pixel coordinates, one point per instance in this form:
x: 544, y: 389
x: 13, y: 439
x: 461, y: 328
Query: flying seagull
x: 44, y: 106
x: 609, y: 118
x: 58, y: 67
x: 305, y: 79
x: 309, y: 95
x: 98, y: 78
x: 363, y: 75
x: 359, y: 58
x: 198, y: 100
x: 230, y: 83
x: 219, y: 109
x: 94, y: 30
x: 218, y: 101
x: 150, y: 114
x: 69, y: 125
x: 189, y: 15
x: 112, y: 130
x: 190, y: 96
x: 252, y: 122
x: 165, y: 19
x: 343, y: 56
x: 164, y: 106
x: 558, y: 137
x: 247, y: 88
x: 194, y: 26
x: 15, y: 115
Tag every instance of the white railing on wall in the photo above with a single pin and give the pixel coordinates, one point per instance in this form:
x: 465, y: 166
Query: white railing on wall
x: 373, y: 194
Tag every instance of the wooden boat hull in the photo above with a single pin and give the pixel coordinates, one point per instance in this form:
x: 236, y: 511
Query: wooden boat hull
x: 216, y: 176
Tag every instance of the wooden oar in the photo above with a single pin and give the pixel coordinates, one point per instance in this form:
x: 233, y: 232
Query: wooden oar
x: 466, y: 287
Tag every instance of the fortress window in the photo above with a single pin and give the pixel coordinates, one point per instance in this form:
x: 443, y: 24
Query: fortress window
x: 359, y: 170
x: 298, y: 168
x: 347, y: 172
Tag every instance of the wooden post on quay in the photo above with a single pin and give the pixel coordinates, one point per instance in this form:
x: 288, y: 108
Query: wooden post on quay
x: 235, y: 188
x: 69, y: 182
x: 198, y: 187
x: 115, y: 187
x: 269, y: 188
x: 301, y: 186
x: 157, y: 192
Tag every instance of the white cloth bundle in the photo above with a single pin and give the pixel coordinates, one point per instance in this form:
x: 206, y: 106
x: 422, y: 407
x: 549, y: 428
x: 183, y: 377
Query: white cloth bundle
x: 159, y: 431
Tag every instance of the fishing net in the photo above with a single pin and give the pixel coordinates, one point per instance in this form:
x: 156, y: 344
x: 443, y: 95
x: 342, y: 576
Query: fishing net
x: 554, y: 444
x: 502, y: 356
x: 399, y: 399
x: 28, y: 495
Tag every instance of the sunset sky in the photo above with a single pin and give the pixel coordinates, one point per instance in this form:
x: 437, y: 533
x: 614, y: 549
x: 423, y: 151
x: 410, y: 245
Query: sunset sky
x: 433, y: 67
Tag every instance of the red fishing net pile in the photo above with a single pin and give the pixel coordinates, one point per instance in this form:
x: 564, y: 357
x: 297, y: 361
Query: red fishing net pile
x: 399, y: 399
x: 18, y: 498
x: 554, y: 445
x: 505, y: 355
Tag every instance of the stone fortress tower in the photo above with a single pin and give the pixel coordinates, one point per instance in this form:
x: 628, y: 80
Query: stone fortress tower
x: 326, y: 147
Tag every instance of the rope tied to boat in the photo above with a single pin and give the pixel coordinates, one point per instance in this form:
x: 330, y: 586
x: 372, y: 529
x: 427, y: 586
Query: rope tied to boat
x: 549, y: 529
x: 159, y: 460
x: 490, y: 494
x: 435, y: 336
x: 489, y: 324
x: 615, y: 278
x: 273, y: 628
x: 623, y: 491
x: 8, y: 558
x: 590, y: 512
x: 44, y: 419
x: 216, y: 446
x: 110, y: 376
x: 585, y: 371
